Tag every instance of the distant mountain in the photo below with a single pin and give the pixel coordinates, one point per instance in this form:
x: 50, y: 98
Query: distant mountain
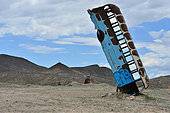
x: 61, y: 68
x: 21, y: 71
x: 99, y: 74
x: 11, y: 63
x: 94, y: 70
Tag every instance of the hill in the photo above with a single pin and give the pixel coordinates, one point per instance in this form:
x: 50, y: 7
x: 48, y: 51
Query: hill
x: 21, y: 71
x: 18, y: 64
x: 94, y: 70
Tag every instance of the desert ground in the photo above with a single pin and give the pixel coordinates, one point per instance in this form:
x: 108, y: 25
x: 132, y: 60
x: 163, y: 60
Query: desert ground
x: 79, y: 98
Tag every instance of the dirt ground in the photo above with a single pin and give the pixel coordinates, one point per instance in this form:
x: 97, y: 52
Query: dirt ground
x: 77, y: 98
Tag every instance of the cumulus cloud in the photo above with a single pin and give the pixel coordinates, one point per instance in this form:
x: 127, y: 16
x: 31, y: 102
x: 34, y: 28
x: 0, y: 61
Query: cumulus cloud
x: 52, y: 18
x: 40, y: 48
x: 139, y: 11
x: 77, y: 40
x: 46, y: 19
x: 157, y: 60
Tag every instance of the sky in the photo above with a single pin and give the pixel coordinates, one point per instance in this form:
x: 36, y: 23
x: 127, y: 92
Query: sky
x: 50, y: 31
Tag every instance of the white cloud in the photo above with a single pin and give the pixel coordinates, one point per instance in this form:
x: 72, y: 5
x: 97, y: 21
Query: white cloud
x: 104, y: 65
x: 139, y: 11
x: 156, y: 34
x: 77, y: 40
x: 46, y: 19
x: 157, y: 60
x: 41, y: 48
x: 89, y: 53
x: 153, y: 60
x: 51, y: 18
x: 63, y: 42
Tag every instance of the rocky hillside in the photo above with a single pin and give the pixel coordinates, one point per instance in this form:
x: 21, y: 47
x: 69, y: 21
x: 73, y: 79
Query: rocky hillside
x: 94, y: 70
x: 19, y: 70
x: 17, y: 64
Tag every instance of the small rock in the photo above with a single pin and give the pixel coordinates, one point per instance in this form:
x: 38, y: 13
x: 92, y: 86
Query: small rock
x: 131, y: 97
x: 107, y: 94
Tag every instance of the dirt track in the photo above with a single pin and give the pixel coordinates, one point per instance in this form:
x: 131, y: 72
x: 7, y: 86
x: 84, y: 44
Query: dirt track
x: 79, y: 99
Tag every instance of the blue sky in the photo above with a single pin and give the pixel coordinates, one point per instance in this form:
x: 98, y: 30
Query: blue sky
x: 50, y: 31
